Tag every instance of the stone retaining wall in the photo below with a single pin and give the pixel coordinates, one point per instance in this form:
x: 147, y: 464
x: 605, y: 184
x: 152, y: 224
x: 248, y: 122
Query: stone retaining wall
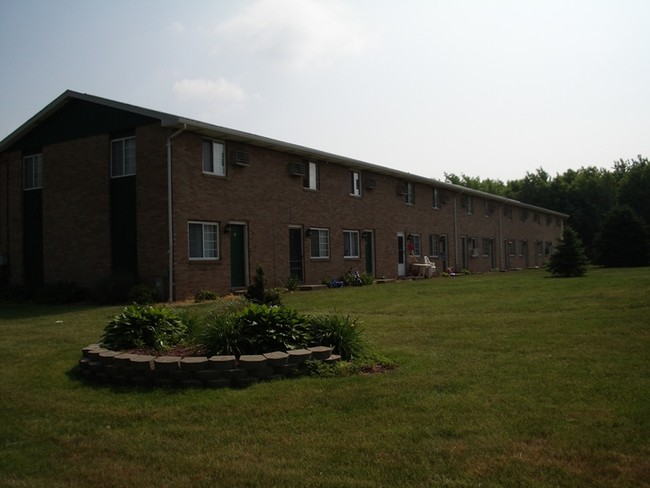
x: 121, y: 368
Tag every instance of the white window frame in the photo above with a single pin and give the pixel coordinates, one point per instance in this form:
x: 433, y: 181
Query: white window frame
x: 436, y: 198
x: 409, y: 198
x: 207, y: 229
x: 33, y: 172
x: 416, y: 239
x: 470, y: 205
x: 123, y: 157
x: 319, y: 245
x: 434, y: 244
x: 355, y: 183
x: 311, y: 179
x: 351, y: 244
x: 213, y: 157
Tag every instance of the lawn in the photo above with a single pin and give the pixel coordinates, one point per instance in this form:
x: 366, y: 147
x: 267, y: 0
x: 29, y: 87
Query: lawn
x: 504, y: 379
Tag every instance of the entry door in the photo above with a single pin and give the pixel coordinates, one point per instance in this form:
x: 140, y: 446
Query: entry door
x: 237, y: 255
x: 401, y: 256
x: 442, y: 250
x: 295, y: 254
x: 464, y: 243
x: 370, y: 252
x: 493, y: 255
x: 524, y: 250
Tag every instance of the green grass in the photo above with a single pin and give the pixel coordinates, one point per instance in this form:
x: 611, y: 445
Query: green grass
x: 504, y: 379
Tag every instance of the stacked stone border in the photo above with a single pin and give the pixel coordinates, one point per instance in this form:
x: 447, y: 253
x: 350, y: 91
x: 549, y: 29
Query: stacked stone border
x: 120, y: 368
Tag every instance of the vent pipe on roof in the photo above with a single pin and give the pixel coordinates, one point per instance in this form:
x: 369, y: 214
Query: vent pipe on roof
x: 170, y: 219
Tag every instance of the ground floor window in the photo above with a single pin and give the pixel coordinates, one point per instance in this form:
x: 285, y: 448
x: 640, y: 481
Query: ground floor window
x: 486, y: 246
x: 415, y: 244
x: 203, y: 240
x: 350, y: 244
x: 320, y: 243
x: 434, y: 244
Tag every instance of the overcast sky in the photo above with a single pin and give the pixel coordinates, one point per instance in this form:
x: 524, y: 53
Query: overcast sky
x: 488, y: 88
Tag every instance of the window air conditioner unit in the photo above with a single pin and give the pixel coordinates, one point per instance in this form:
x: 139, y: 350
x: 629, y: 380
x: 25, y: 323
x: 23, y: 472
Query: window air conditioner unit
x: 240, y: 158
x: 474, y: 253
x: 371, y: 183
x: 297, y: 169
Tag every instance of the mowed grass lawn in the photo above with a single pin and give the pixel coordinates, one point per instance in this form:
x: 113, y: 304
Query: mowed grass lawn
x: 504, y: 379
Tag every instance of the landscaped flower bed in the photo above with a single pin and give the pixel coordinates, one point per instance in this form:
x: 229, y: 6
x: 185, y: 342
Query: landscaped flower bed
x: 124, y: 368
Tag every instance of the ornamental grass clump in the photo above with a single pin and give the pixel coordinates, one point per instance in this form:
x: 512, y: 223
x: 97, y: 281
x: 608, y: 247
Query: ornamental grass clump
x: 144, y: 327
x: 341, y: 332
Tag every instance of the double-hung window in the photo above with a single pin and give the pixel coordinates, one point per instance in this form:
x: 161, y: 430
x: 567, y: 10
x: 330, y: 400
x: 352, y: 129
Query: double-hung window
x: 214, y: 158
x: 434, y: 244
x: 355, y: 183
x: 410, y: 193
x: 470, y: 204
x: 436, y: 198
x: 310, y: 180
x: 416, y: 241
x: 33, y: 172
x: 123, y: 157
x: 320, y: 243
x: 203, y: 240
x: 350, y: 244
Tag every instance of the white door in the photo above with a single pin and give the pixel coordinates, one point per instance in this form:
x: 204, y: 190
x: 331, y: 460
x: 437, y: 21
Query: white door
x: 401, y: 255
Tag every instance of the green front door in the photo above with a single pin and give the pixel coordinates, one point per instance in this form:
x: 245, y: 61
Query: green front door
x: 370, y: 255
x: 237, y: 255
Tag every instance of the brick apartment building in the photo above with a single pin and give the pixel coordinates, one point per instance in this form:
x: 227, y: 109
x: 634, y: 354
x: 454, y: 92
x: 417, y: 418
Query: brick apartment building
x: 90, y: 187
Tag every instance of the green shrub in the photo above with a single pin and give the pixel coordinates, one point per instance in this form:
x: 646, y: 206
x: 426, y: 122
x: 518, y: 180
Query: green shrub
x: 114, y: 288
x: 266, y: 328
x: 205, y: 296
x: 257, y: 292
x: 367, y: 278
x: 221, y: 334
x: 143, y: 294
x: 141, y: 326
x: 292, y: 283
x: 256, y: 329
x: 340, y: 332
x: 59, y: 293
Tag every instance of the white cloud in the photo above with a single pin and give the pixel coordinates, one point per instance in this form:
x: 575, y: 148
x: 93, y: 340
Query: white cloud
x: 299, y: 34
x: 178, y: 28
x: 219, y: 92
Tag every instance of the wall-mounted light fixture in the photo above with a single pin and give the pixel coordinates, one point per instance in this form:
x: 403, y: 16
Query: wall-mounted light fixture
x: 226, y: 229
x: 307, y: 233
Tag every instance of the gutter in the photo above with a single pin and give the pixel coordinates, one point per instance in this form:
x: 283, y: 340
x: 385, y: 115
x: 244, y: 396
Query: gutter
x: 170, y: 219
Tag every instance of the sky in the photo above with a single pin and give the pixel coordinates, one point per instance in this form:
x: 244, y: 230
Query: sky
x: 485, y: 88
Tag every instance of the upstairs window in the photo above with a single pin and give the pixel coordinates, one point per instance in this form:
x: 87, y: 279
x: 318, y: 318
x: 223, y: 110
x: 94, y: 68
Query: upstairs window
x: 33, y: 172
x: 350, y: 244
x: 409, y: 198
x: 123, y: 157
x: 355, y: 183
x: 436, y: 198
x: 469, y: 203
x: 320, y: 243
x: 203, y: 240
x: 214, y: 158
x: 310, y: 180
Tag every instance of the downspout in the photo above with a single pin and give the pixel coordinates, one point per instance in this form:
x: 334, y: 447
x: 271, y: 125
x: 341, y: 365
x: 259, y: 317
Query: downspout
x: 456, y: 232
x: 170, y: 219
x: 502, y: 250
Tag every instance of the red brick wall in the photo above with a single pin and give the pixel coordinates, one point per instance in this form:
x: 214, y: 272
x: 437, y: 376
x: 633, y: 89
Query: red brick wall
x: 76, y: 225
x: 263, y: 196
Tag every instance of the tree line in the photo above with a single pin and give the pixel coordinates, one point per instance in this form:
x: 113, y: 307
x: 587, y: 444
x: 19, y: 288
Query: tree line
x: 609, y: 209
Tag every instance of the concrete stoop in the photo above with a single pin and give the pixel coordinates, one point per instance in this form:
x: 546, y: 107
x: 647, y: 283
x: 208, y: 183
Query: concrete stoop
x: 104, y: 365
